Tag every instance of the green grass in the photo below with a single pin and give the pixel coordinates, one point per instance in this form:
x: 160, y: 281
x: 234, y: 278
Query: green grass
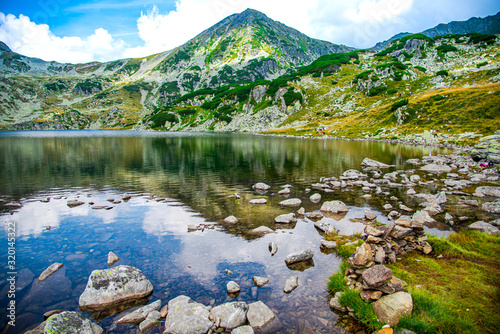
x: 363, y: 311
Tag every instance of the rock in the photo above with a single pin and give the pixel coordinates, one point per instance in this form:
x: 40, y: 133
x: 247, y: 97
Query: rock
x: 492, y: 207
x: 301, y: 211
x: 379, y: 255
x: 261, y: 230
x: 230, y: 315
x: 243, y: 330
x: 328, y: 244
x: 403, y: 221
x: 48, y: 314
x: 334, y: 207
x: 405, y: 208
x: 391, y: 308
x: 414, y: 178
x: 49, y: 271
x: 260, y: 281
x: 487, y: 191
x: 411, y: 192
x: 37, y: 330
x: 433, y: 209
x: 112, y: 258
x: 485, y: 227
x: 231, y: 220
x: 153, y: 320
x: 387, y: 207
x: 261, y: 186
x: 288, y: 218
x: 422, y: 217
x: 373, y: 163
x: 228, y: 272
x: 291, y: 284
x: 233, y: 287
x: 370, y: 230
x: 285, y: 191
x: 448, y: 218
x: 291, y: 202
x: 140, y: 314
x: 376, y: 276
x: 300, y: 256
x: 192, y: 228
x: 110, y: 287
x: 487, y: 149
x: 314, y: 215
x: 325, y: 226
x: 126, y: 197
x: 393, y: 214
x: 399, y: 232
x: 73, y: 203
x: 369, y: 215
x: 315, y: 198
x: 69, y: 323
x: 362, y: 256
x: 433, y: 168
x: 335, y: 303
x: 258, y: 201
x: 273, y: 248
x: 164, y: 311
x: 259, y: 315
x: 187, y: 316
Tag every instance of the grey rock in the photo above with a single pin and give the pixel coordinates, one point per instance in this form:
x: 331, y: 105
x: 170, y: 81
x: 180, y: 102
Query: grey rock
x: 391, y: 308
x: 153, y: 320
x: 259, y: 315
x: 49, y: 271
x: 362, y: 257
x: 37, y: 330
x: 301, y: 211
x: 233, y: 287
x: 186, y: 316
x: 258, y: 201
x: 243, y: 330
x: 485, y: 227
x: 403, y: 221
x: 261, y: 230
x: 434, y: 168
x: 112, y: 258
x: 422, y: 217
x: 291, y: 284
x: 74, y: 203
x: 433, y: 209
x: 335, y: 303
x: 288, y: 218
x: 140, y: 314
x: 109, y: 287
x: 71, y: 323
x: 315, y: 198
x: 399, y: 232
x: 231, y: 220
x: 325, y: 226
x: 487, y: 191
x: 300, y: 256
x: 387, y: 207
x: 369, y: 215
x: 260, y: 281
x: 393, y: 214
x: 373, y: 163
x: 273, y: 248
x: 334, y: 207
x: 376, y: 276
x: 261, y: 186
x: 291, y: 202
x: 328, y: 244
x: 492, y: 207
x: 314, y: 215
x: 370, y: 230
x: 285, y: 191
x: 230, y: 315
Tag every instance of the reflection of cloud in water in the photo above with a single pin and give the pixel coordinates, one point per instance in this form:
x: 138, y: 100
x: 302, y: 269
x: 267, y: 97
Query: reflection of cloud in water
x: 162, y: 219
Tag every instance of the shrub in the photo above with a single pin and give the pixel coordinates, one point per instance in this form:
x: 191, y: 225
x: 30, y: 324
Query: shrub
x: 444, y: 48
x: 421, y: 69
x: 442, y: 73
x: 392, y: 91
x: 398, y: 104
x: 376, y: 90
x: 161, y: 118
x: 291, y: 96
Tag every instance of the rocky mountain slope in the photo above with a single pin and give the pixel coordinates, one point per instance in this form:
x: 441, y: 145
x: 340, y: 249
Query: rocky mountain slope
x: 250, y: 73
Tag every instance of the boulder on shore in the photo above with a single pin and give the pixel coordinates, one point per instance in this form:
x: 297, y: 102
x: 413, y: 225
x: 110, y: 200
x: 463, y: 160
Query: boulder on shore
x: 187, y: 316
x: 230, y: 315
x: 391, y: 308
x: 71, y: 323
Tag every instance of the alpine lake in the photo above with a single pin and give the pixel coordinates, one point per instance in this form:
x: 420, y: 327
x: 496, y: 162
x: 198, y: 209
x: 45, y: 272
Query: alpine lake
x: 175, y: 180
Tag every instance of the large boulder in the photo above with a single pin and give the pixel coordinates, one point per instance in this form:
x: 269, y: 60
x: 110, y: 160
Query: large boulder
x: 485, y: 227
x: 434, y: 168
x: 187, y: 317
x: 110, y: 287
x: 71, y: 323
x: 230, y: 315
x: 334, y: 207
x: 391, y: 308
x: 259, y: 315
x: 487, y: 149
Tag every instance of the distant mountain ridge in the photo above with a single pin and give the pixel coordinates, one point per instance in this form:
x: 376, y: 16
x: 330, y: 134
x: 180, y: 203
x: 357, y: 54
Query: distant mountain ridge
x: 489, y: 25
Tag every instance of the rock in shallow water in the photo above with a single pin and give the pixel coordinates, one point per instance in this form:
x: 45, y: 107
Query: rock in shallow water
x: 109, y: 287
x: 259, y: 315
x: 291, y: 202
x: 291, y: 284
x: 288, y: 218
x: 230, y: 315
x: 187, y: 316
x: 300, y: 256
x: 140, y: 314
x: 112, y: 258
x: 334, y: 207
x: 71, y: 323
x: 49, y: 271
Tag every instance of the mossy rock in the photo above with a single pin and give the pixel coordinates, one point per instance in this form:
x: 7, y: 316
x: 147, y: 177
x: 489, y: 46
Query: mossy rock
x: 71, y: 323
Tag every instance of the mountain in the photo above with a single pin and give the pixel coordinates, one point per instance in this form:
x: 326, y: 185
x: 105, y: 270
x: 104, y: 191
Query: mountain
x: 489, y: 25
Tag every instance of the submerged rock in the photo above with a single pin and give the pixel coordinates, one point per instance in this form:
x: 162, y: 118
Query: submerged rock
x: 49, y: 271
x: 291, y: 284
x: 187, y: 316
x: 109, y: 287
x: 259, y: 315
x: 71, y: 323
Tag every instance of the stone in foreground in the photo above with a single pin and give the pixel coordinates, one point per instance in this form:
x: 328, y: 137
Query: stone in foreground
x: 187, y: 317
x: 140, y: 314
x: 391, y: 308
x: 243, y: 330
x: 230, y: 315
x: 49, y: 271
x: 71, y: 323
x: 259, y: 315
x: 109, y: 287
x: 299, y: 256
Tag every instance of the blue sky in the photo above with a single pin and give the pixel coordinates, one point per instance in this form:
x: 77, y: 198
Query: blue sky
x: 82, y: 31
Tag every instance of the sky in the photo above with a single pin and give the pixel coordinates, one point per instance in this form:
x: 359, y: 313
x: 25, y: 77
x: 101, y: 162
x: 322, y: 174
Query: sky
x: 81, y: 31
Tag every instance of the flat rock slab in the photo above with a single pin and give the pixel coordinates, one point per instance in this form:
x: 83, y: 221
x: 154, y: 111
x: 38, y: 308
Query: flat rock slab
x: 230, y: 315
x: 140, y: 314
x: 377, y: 275
x: 71, y: 323
x: 391, y: 308
x: 259, y: 315
x: 291, y: 284
x: 260, y: 281
x: 334, y: 207
x: 288, y: 218
x: 367, y: 162
x: 109, y: 287
x: 300, y: 256
x: 291, y: 202
x: 485, y: 227
x: 258, y: 201
x: 434, y: 168
x: 49, y: 271
x: 261, y: 230
x: 187, y: 316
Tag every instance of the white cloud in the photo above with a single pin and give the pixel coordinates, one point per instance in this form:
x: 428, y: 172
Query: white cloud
x: 36, y: 40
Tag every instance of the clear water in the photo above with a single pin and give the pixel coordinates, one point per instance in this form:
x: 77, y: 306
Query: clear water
x: 175, y: 179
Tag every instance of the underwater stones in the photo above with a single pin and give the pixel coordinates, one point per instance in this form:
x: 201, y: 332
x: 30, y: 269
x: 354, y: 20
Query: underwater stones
x: 49, y: 271
x: 110, y: 287
x: 291, y: 284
